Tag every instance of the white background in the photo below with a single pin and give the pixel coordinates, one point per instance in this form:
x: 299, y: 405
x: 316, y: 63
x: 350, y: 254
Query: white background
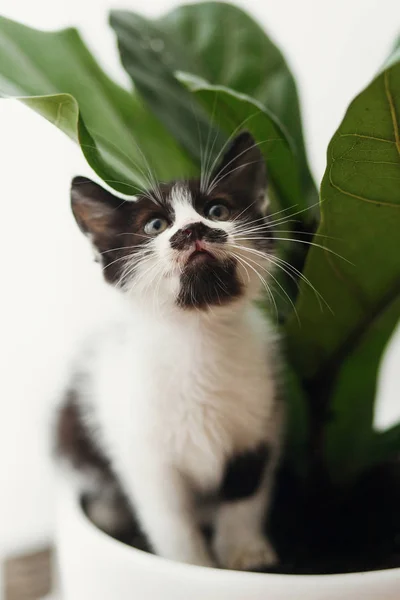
x: 49, y: 285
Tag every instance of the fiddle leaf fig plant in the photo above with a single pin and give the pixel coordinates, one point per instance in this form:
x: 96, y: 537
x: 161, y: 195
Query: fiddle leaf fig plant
x: 193, y: 88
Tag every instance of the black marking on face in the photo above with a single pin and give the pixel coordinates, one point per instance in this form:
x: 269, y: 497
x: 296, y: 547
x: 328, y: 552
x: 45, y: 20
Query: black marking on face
x: 244, y: 473
x: 115, y: 226
x: 208, y: 281
x: 184, y: 238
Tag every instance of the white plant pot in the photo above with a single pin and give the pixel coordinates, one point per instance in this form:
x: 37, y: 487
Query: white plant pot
x: 93, y: 566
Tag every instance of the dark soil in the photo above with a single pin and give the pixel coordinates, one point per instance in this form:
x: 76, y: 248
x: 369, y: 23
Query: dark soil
x: 317, y: 529
x: 320, y: 530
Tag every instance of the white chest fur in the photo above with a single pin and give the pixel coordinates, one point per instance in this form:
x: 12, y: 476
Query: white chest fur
x: 195, y: 390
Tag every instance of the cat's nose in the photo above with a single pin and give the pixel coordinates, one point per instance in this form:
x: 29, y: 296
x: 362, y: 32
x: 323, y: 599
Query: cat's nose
x: 195, y: 231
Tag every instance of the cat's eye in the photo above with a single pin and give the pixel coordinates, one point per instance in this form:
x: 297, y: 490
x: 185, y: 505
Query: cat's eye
x: 156, y: 226
x: 218, y: 212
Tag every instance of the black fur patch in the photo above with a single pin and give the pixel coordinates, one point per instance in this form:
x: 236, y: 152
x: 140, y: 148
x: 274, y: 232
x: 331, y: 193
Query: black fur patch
x: 74, y: 442
x: 212, y: 282
x: 184, y: 238
x: 243, y: 474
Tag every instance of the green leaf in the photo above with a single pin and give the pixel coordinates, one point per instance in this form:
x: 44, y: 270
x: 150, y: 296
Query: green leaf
x: 193, y: 39
x: 163, y: 93
x: 337, y: 354
x: 230, y: 49
x: 55, y: 74
x: 351, y: 444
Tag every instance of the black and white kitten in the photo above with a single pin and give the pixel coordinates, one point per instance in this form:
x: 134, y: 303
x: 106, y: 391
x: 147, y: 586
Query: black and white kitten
x: 177, y: 406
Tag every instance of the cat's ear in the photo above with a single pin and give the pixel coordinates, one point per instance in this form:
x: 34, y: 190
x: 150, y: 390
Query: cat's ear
x: 243, y: 168
x: 97, y: 212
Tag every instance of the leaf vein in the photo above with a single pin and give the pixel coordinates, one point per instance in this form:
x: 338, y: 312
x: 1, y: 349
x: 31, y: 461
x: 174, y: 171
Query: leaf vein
x: 367, y: 137
x: 370, y: 162
x: 392, y: 111
x: 357, y: 197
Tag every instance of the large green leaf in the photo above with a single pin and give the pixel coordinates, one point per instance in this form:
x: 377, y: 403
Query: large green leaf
x: 56, y: 75
x: 337, y: 353
x: 163, y: 93
x: 222, y: 45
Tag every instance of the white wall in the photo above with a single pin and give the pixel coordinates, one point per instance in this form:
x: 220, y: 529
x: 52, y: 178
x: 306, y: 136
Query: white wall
x: 49, y: 283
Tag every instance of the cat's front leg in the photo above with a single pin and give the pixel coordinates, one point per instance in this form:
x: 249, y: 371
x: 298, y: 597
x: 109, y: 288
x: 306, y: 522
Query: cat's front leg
x: 163, y: 501
x: 239, y: 541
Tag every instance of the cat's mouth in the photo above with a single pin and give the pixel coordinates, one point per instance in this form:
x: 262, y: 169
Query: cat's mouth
x: 200, y: 255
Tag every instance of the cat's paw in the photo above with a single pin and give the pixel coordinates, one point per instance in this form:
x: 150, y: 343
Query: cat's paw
x: 253, y: 554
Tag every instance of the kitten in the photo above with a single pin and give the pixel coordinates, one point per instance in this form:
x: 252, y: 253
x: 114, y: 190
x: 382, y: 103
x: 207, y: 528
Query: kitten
x: 176, y: 408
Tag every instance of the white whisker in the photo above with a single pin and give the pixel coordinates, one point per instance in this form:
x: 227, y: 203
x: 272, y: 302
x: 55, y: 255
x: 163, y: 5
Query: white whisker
x: 265, y: 284
x: 279, y: 262
x: 296, y: 241
x: 279, y: 284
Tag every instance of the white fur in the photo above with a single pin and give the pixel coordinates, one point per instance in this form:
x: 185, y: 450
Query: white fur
x: 172, y: 394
